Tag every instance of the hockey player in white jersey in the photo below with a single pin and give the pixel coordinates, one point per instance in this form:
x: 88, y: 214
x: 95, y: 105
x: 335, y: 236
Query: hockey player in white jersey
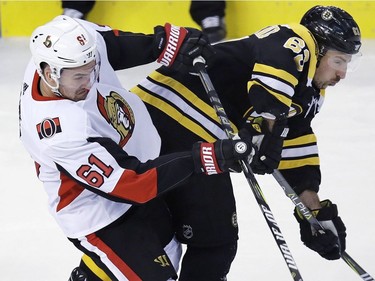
x: 95, y: 147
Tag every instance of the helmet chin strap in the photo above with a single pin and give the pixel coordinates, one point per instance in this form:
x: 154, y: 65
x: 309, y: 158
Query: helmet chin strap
x: 54, y: 89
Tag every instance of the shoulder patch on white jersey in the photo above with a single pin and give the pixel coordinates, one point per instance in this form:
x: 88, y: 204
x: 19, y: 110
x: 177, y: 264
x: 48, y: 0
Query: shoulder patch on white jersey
x: 118, y: 113
x: 48, y: 127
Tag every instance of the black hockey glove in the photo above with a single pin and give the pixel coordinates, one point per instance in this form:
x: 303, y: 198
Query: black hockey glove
x: 268, y: 142
x: 220, y: 156
x: 78, y: 275
x: 332, y: 243
x: 179, y: 46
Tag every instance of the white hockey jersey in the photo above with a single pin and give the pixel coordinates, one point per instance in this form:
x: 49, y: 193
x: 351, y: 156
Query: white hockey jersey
x: 56, y: 133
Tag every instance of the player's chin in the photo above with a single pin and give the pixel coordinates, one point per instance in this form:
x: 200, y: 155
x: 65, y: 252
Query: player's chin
x: 321, y: 86
x: 331, y: 84
x: 326, y: 85
x: 81, y: 95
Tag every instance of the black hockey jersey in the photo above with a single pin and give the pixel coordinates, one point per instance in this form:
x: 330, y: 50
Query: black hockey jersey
x: 269, y: 71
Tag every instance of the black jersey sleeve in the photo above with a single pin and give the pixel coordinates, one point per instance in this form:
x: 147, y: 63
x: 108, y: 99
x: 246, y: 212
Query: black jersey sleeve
x: 170, y: 170
x: 300, y: 158
x: 127, y: 49
x: 139, y: 181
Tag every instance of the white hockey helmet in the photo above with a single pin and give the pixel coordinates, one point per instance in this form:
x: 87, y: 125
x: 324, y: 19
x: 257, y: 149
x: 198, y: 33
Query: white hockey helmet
x: 62, y: 43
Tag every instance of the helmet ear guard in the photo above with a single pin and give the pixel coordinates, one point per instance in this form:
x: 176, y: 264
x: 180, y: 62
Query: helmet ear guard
x: 333, y: 28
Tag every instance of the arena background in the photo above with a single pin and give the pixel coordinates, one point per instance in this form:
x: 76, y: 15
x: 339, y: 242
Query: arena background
x: 19, y: 18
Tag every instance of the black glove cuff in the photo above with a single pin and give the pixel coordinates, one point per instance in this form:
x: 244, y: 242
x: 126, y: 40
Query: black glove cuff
x: 159, y: 40
x: 327, y: 212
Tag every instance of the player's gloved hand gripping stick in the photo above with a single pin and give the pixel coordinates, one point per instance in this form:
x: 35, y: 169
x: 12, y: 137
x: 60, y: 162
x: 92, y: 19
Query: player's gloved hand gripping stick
x: 199, y: 64
x: 315, y: 224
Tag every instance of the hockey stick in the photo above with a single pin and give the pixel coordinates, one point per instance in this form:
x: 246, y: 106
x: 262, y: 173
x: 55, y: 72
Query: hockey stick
x: 199, y: 65
x: 316, y: 224
x: 290, y: 193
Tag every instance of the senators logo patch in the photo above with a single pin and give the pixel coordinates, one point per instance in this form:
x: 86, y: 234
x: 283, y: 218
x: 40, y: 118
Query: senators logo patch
x: 119, y: 114
x: 48, y: 127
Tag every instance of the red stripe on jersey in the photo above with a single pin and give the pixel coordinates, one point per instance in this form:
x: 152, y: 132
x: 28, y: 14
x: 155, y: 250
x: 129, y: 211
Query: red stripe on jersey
x: 113, y: 257
x: 37, y: 168
x: 137, y: 187
x: 116, y: 32
x: 68, y: 191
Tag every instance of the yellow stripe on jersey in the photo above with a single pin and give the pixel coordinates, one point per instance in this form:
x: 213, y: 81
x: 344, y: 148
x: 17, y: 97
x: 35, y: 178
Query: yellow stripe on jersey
x: 279, y: 73
x: 95, y: 269
x: 173, y: 113
x: 285, y: 100
x: 310, y: 42
x: 304, y: 140
x: 290, y: 164
x: 248, y: 112
x: 186, y: 93
x: 194, y: 100
x: 323, y: 92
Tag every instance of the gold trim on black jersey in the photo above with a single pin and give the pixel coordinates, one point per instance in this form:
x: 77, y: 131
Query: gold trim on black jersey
x: 305, y: 34
x: 298, y: 152
x: 178, y: 102
x: 94, y: 268
x: 279, y: 96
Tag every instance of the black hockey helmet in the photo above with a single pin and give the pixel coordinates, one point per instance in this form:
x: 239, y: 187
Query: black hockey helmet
x: 333, y: 28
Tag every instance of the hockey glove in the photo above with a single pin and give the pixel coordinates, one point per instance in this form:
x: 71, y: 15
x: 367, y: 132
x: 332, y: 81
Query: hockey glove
x: 220, y: 156
x: 179, y: 46
x: 78, y: 275
x: 269, y: 143
x: 330, y: 244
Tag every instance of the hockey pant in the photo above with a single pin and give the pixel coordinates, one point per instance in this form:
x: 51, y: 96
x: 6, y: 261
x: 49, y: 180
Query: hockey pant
x: 204, y: 218
x: 138, y: 246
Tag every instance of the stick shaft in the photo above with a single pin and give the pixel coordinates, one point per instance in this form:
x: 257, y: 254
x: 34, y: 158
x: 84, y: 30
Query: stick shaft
x: 290, y: 193
x: 266, y: 211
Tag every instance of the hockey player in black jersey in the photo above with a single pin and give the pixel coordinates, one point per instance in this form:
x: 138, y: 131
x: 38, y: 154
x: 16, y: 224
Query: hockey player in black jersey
x: 269, y: 82
x: 275, y: 77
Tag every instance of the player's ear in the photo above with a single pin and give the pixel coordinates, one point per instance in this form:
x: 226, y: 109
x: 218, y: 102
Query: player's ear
x: 47, y: 73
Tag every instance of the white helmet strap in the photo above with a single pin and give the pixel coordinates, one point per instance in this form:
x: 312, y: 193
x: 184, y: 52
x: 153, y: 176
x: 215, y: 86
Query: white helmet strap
x: 55, y: 77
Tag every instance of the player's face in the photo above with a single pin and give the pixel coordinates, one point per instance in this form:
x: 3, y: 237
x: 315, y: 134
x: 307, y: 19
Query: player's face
x: 332, y: 68
x: 75, y: 83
